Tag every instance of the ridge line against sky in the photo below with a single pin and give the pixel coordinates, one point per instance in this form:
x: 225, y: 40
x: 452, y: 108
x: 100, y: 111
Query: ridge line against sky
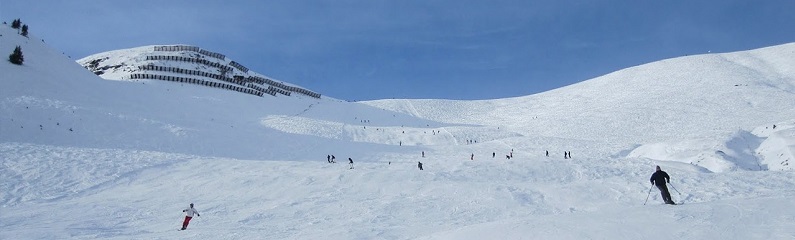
x: 366, y: 50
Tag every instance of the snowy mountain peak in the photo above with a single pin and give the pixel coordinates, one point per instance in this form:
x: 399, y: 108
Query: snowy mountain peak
x: 188, y: 65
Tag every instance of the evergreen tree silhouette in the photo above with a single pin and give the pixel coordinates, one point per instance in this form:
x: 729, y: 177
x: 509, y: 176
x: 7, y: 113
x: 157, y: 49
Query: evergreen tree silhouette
x: 16, y: 57
x: 15, y: 24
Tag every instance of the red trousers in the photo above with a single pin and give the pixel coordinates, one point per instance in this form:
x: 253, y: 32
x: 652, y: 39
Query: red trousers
x: 185, y: 223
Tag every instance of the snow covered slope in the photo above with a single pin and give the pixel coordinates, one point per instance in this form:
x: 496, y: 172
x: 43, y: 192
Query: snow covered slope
x: 51, y: 192
x: 777, y: 151
x: 662, y: 100
x: 186, y: 65
x: 52, y: 100
x: 82, y: 157
x: 705, y: 98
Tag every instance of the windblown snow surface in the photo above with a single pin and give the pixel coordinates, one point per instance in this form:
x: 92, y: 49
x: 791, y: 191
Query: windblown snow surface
x: 87, y: 158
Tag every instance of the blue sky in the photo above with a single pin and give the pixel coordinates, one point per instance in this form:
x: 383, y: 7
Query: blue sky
x: 439, y: 49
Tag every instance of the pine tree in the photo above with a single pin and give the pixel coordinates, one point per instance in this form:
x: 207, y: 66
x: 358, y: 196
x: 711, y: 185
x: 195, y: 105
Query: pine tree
x: 15, y: 24
x: 25, y: 30
x: 16, y: 57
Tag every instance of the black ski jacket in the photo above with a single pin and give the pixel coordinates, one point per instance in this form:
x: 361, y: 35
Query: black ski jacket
x: 659, y: 178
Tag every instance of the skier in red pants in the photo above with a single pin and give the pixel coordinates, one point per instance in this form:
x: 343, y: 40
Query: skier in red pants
x: 189, y: 215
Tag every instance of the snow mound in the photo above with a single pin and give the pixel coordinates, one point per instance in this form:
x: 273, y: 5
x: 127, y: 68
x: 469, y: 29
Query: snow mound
x: 777, y: 151
x: 763, y: 149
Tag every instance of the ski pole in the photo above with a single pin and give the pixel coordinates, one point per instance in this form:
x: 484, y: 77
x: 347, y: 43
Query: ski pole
x: 647, y: 195
x: 677, y: 191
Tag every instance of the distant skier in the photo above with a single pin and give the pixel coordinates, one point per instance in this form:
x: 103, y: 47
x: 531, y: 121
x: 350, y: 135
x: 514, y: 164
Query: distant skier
x: 472, y: 157
x: 659, y: 178
x: 328, y: 158
x: 547, y: 153
x: 350, y: 162
x: 333, y: 159
x: 493, y: 154
x: 423, y: 153
x: 189, y: 215
x: 419, y: 165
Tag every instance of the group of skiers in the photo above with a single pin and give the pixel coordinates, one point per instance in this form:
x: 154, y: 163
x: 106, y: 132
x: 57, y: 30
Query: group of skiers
x: 333, y: 159
x: 659, y: 178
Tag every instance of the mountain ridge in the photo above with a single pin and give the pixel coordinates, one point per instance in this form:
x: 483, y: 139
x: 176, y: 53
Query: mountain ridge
x: 610, y: 115
x: 694, y: 83
x: 79, y: 109
x: 186, y: 64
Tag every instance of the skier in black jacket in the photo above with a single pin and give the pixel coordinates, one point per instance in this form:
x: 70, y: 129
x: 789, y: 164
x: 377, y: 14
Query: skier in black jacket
x: 659, y: 178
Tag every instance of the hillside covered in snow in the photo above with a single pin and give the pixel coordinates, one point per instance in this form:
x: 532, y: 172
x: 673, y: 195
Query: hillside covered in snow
x: 117, y: 150
x: 186, y: 65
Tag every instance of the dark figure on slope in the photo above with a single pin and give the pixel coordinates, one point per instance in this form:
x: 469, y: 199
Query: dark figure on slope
x: 659, y: 179
x: 350, y: 161
x: 419, y: 165
x: 189, y: 215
